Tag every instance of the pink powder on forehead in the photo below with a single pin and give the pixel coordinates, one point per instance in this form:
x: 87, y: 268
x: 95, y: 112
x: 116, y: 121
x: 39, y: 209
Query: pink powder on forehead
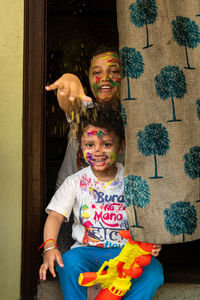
x: 95, y: 132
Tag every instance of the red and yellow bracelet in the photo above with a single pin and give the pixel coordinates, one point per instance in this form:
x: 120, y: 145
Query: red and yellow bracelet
x: 52, y: 240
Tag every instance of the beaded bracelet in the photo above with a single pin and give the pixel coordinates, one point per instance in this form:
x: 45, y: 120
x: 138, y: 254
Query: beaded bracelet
x: 46, y: 242
x: 48, y: 249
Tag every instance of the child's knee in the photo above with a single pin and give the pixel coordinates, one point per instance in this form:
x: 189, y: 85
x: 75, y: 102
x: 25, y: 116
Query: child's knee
x: 155, y: 272
x: 68, y: 258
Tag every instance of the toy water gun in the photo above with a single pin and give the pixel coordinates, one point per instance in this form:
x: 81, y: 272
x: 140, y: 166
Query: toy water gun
x: 116, y: 279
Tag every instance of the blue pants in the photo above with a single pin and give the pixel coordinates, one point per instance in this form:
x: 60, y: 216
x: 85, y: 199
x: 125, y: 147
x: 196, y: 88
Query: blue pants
x: 90, y: 259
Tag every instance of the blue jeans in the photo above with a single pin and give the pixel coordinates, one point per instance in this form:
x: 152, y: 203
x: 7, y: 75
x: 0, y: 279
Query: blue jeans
x: 90, y: 259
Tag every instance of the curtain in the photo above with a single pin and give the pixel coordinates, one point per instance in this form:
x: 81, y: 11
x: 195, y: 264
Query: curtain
x: 159, y: 44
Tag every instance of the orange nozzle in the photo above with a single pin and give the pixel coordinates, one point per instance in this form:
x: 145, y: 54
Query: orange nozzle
x: 87, y: 277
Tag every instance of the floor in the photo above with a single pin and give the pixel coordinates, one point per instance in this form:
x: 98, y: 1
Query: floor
x: 50, y: 290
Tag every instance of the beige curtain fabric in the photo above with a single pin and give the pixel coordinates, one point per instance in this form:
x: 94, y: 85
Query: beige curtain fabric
x: 159, y: 44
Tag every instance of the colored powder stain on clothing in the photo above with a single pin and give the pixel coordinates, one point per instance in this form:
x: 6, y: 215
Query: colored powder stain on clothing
x: 85, y: 181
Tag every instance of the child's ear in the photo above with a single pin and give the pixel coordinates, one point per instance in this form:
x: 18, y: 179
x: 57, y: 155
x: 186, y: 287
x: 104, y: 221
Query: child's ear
x: 121, y: 147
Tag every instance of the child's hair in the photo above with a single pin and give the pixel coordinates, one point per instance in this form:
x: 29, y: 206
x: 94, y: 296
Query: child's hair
x: 104, y: 117
x: 103, y: 49
x: 100, y: 49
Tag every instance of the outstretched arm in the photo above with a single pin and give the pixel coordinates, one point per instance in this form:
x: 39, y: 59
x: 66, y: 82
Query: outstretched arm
x: 70, y: 93
x: 51, y: 230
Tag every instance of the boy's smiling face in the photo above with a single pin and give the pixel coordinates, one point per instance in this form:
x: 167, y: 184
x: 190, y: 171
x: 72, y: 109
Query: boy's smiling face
x: 100, y: 148
x: 105, y: 76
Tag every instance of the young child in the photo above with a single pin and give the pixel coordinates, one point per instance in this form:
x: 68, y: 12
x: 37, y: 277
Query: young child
x: 95, y: 195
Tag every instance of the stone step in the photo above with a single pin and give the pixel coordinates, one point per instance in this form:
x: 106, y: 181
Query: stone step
x: 50, y: 290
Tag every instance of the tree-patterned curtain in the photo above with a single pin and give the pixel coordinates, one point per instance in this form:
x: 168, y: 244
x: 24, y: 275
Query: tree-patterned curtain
x: 159, y: 42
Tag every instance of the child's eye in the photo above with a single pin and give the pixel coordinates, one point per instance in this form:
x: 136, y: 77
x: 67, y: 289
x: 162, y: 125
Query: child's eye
x: 89, y: 145
x: 96, y: 73
x: 115, y: 71
x: 107, y: 145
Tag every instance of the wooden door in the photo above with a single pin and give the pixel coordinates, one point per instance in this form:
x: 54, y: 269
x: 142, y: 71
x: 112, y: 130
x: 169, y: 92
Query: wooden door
x: 33, y: 143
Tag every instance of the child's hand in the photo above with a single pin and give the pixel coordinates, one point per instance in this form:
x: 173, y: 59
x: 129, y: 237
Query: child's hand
x: 48, y: 263
x: 70, y: 92
x: 156, y: 250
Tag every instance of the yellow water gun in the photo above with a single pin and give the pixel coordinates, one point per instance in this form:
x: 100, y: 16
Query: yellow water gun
x: 116, y: 279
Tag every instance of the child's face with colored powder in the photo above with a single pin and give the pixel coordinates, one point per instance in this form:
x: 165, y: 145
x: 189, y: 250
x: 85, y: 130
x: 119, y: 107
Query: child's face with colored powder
x: 105, y: 76
x: 100, y: 148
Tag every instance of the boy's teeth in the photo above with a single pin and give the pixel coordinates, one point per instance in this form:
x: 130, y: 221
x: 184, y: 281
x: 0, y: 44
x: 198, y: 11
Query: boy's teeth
x: 105, y: 87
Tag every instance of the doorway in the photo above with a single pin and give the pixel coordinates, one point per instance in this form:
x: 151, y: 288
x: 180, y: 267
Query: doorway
x: 59, y: 39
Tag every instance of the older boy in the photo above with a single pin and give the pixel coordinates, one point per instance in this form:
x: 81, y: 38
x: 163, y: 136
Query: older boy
x: 104, y: 78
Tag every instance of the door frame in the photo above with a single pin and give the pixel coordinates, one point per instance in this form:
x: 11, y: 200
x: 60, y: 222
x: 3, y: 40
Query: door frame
x: 33, y: 161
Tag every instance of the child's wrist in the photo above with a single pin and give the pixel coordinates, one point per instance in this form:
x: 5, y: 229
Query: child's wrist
x: 48, y: 243
x: 48, y: 249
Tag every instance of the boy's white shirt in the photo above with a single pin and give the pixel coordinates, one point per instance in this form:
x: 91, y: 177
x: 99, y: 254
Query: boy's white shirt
x: 98, y: 208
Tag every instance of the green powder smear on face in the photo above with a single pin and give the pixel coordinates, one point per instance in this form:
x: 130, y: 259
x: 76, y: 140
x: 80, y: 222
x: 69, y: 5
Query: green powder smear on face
x: 96, y: 86
x: 114, y: 83
x: 115, y: 55
x: 100, y: 134
x: 112, y: 156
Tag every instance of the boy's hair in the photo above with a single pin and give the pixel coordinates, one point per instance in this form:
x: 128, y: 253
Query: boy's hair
x: 100, y: 50
x: 104, y: 117
x: 103, y: 49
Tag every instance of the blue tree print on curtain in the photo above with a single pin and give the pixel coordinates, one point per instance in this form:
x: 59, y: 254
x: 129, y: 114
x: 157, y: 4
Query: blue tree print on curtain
x: 136, y: 194
x: 124, y: 115
x: 171, y: 83
x: 181, y: 218
x: 192, y: 164
x: 144, y: 12
x: 153, y: 140
x: 132, y: 65
x: 198, y: 108
x: 186, y: 33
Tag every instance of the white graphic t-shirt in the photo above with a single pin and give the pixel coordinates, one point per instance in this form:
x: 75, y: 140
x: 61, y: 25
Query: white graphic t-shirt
x: 98, y: 208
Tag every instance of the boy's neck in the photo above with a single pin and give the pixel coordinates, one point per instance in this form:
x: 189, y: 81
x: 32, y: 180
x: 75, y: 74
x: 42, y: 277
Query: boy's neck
x: 106, y: 175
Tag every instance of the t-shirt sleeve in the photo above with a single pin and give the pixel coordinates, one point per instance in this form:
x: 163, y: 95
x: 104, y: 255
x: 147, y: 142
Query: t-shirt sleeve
x: 64, y: 198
